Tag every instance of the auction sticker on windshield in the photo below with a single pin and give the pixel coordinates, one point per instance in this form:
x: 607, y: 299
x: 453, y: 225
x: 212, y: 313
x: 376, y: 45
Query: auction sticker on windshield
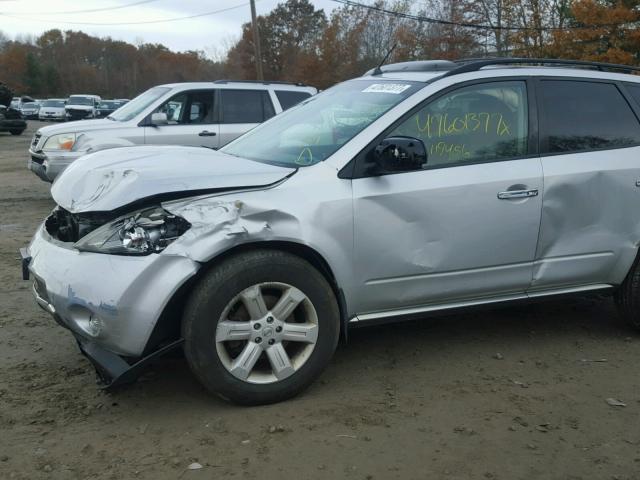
x: 386, y: 88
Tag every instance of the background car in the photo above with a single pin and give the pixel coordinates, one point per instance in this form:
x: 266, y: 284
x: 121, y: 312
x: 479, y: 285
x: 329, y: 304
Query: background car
x: 107, y: 107
x: 79, y: 107
x: 30, y: 110
x: 52, y: 109
x: 203, y: 114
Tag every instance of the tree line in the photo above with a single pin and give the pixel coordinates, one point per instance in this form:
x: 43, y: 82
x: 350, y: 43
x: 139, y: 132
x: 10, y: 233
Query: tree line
x: 303, y: 44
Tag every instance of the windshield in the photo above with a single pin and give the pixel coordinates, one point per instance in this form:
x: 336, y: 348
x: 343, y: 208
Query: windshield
x: 138, y: 104
x: 312, y: 131
x: 80, y: 101
x: 106, y: 105
x: 53, y: 103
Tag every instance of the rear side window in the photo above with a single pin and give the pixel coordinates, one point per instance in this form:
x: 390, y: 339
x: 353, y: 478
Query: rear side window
x: 288, y: 99
x: 634, y: 90
x: 580, y: 116
x: 246, y: 106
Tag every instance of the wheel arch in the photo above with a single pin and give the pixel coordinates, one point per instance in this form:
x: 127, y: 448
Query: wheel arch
x: 168, y: 325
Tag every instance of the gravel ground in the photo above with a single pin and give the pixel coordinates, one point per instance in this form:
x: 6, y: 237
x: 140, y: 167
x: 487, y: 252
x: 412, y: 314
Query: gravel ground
x: 511, y: 393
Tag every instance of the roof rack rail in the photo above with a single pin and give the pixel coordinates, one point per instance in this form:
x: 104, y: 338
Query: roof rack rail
x: 414, y: 66
x: 264, y: 82
x: 475, y: 64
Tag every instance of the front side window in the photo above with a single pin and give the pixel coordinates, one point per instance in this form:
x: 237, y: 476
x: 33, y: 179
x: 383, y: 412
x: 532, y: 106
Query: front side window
x: 472, y: 124
x: 579, y: 116
x: 318, y: 127
x: 246, y: 106
x: 189, y: 108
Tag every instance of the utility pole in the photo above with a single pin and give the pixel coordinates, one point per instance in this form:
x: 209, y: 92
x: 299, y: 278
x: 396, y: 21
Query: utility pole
x: 256, y: 41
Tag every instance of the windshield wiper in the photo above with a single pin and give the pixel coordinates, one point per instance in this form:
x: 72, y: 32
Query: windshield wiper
x: 109, y: 117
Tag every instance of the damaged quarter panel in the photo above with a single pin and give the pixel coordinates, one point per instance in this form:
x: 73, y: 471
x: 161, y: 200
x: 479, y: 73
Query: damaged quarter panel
x: 288, y: 212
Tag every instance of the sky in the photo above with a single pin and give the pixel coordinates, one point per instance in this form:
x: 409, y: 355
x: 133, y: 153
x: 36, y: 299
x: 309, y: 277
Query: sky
x: 212, y: 33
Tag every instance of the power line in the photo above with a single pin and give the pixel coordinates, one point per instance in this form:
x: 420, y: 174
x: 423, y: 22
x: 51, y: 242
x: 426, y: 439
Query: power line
x: 437, y: 21
x: 127, y: 23
x: 68, y: 12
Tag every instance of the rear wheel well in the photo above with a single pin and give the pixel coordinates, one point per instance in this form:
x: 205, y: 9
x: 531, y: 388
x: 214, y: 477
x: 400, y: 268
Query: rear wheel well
x: 167, y: 327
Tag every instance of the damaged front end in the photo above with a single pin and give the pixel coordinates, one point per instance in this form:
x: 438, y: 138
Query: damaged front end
x: 112, y: 299
x: 142, y: 232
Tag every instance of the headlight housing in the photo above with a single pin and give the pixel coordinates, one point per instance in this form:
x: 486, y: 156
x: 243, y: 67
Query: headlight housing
x: 138, y: 233
x: 63, y: 141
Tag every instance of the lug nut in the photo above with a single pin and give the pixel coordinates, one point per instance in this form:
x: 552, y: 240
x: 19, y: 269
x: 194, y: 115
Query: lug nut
x: 258, y: 339
x: 269, y: 319
x: 256, y: 326
x: 272, y: 341
x: 278, y: 329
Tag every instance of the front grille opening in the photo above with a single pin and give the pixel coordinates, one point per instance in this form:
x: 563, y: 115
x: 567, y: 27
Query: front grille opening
x: 71, y: 227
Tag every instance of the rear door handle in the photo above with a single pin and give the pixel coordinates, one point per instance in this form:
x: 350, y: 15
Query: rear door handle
x: 206, y: 133
x: 509, y: 194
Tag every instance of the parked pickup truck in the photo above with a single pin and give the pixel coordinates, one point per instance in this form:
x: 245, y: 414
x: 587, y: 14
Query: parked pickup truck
x: 207, y: 114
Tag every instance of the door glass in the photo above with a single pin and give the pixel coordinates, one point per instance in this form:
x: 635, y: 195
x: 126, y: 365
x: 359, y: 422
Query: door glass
x: 472, y: 124
x: 201, y: 107
x: 579, y: 116
x: 189, y: 108
x: 246, y: 106
x: 288, y: 98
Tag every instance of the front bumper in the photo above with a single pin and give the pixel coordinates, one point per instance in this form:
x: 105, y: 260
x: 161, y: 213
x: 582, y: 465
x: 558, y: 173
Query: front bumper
x: 48, y: 165
x: 109, y: 301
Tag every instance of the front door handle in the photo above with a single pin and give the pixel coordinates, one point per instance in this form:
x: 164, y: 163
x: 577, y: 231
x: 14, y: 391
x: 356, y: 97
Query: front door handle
x: 510, y: 194
x: 206, y: 133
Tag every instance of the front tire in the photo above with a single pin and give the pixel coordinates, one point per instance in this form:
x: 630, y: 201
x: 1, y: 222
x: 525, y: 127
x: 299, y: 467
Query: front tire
x: 16, y: 132
x: 260, y: 327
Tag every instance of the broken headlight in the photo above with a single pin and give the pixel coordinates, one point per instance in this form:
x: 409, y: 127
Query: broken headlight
x: 138, y: 233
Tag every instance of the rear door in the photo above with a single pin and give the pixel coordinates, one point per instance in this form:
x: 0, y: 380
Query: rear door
x: 589, y: 142
x: 241, y: 110
x: 192, y: 120
x: 466, y: 226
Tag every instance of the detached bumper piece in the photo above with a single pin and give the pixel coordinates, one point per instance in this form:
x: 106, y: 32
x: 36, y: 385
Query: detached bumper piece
x: 114, y: 371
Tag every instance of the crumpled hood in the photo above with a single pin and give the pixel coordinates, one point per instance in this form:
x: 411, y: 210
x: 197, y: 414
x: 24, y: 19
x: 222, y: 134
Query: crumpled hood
x: 114, y: 178
x: 78, y: 126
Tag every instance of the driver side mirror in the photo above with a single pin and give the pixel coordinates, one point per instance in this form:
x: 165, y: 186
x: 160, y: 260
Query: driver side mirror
x: 159, y: 118
x: 400, y: 154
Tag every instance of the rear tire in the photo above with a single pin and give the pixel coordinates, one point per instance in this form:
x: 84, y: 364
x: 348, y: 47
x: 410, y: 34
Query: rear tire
x: 628, y: 297
x: 16, y: 132
x: 260, y: 327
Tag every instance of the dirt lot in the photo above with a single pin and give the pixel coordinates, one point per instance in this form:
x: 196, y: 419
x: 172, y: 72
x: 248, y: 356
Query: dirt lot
x: 516, y: 393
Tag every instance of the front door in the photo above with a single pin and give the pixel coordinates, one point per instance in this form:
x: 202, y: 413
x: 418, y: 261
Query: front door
x: 192, y: 120
x: 466, y: 226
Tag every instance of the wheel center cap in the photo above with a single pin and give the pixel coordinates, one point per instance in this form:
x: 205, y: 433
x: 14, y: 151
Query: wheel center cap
x: 267, y: 332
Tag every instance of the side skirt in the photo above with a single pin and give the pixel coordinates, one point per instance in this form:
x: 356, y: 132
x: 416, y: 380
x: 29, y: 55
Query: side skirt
x: 413, y: 313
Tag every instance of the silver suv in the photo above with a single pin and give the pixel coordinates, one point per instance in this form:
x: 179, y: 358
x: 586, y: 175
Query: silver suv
x: 208, y: 114
x: 419, y: 187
